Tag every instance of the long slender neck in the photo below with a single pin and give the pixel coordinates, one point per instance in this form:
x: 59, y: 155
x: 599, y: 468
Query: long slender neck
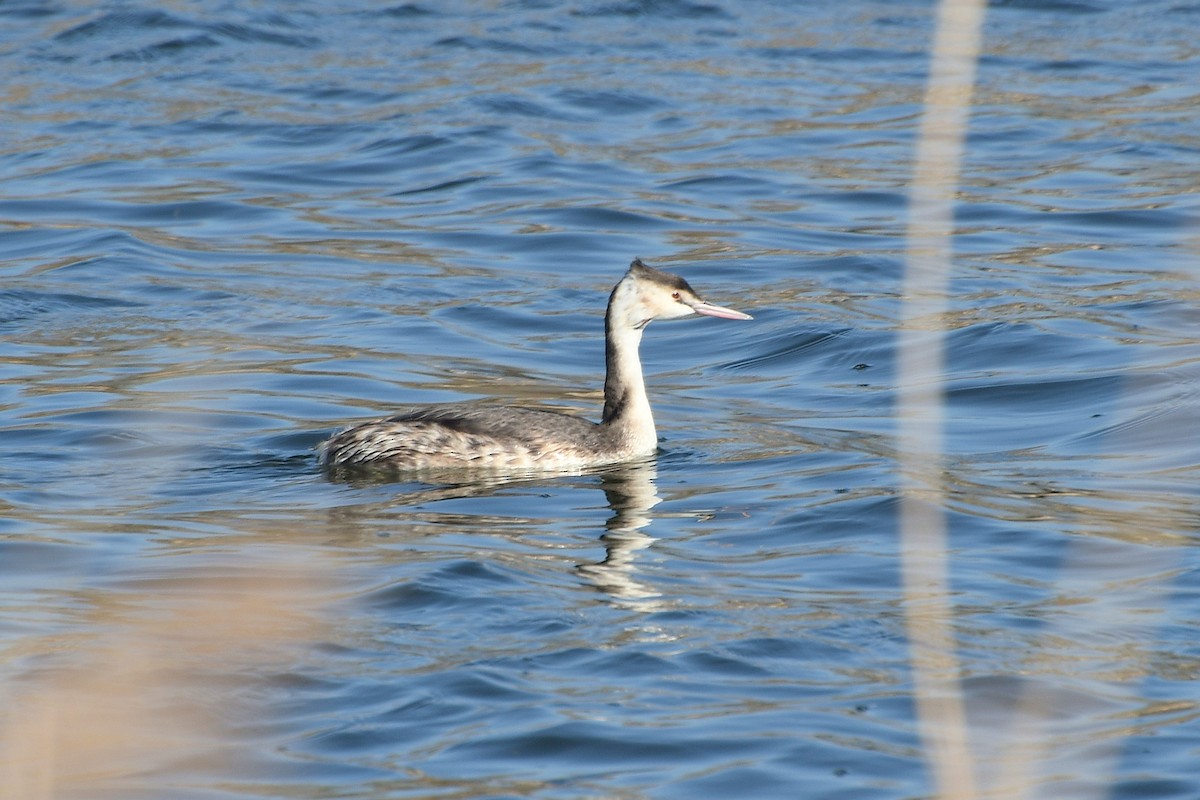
x: 626, y: 406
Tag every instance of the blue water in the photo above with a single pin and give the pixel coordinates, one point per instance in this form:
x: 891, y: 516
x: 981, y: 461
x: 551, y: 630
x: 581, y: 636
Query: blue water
x: 228, y: 230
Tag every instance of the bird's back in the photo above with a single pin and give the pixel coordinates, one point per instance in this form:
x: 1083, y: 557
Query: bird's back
x: 473, y: 437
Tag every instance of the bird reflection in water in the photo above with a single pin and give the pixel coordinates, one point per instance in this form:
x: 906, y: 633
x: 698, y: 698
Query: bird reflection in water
x: 629, y: 489
x: 631, y: 493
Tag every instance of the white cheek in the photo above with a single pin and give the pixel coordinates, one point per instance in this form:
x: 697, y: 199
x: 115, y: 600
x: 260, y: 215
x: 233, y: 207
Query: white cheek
x: 666, y: 308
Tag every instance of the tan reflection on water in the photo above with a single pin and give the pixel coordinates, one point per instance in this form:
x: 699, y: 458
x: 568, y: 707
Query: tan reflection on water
x: 146, y: 699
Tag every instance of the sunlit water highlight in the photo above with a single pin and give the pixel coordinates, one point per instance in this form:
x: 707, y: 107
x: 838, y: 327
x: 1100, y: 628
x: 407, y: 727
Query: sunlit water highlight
x: 228, y: 232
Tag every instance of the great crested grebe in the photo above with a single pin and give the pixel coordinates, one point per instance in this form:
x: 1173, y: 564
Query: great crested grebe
x: 457, y: 437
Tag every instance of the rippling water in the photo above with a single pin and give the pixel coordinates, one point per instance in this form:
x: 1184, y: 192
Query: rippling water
x: 226, y: 231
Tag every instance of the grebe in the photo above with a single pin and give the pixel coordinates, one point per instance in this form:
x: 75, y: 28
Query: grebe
x: 457, y: 437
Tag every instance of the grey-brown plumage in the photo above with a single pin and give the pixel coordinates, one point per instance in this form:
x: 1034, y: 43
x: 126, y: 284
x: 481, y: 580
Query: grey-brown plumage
x: 501, y: 439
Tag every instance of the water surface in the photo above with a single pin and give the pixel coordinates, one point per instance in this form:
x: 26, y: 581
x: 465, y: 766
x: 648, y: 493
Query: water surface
x: 225, y: 232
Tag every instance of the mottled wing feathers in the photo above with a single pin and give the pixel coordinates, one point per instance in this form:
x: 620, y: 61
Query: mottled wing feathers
x: 453, y: 437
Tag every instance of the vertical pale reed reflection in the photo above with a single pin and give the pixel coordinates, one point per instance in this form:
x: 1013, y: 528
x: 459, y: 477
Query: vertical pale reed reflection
x: 160, y: 690
x: 940, y: 709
